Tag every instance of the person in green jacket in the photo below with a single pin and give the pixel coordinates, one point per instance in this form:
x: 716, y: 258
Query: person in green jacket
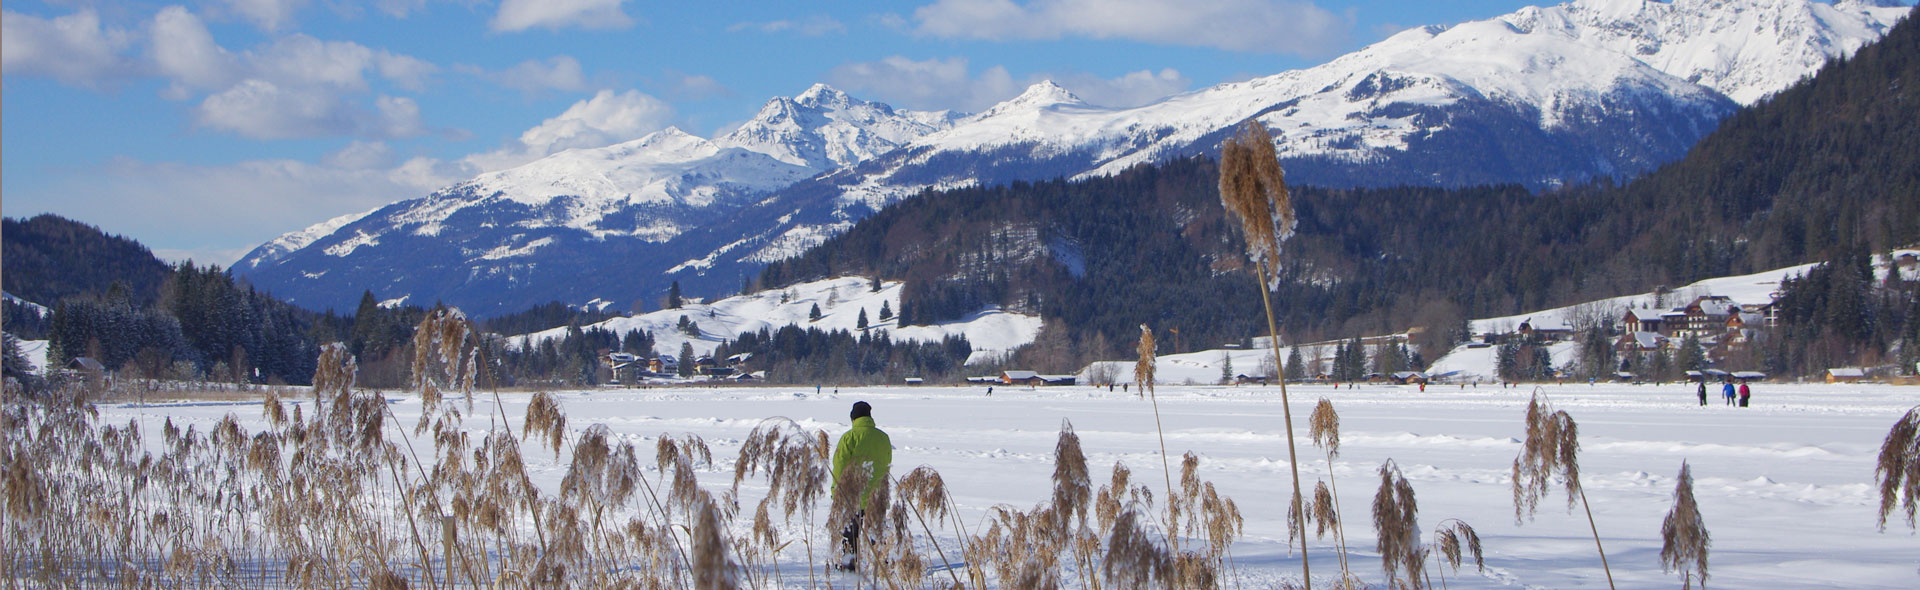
x: 866, y: 444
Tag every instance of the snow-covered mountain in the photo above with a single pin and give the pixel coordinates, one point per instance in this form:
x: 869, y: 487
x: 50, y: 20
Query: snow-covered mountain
x: 580, y: 224
x: 1543, y: 96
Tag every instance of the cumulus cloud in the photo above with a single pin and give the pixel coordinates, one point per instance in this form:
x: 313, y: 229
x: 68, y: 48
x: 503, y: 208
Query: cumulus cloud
x: 165, y: 203
x: 533, y: 76
x: 1261, y: 26
x: 74, y: 49
x: 950, y: 84
x: 520, y: 15
x: 1129, y: 90
x: 260, y: 109
x: 292, y: 87
x: 605, y: 119
x: 268, y: 15
x: 813, y: 26
x: 926, y: 84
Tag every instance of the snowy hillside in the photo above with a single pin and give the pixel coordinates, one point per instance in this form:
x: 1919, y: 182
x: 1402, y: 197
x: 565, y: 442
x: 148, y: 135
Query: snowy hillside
x: 1540, y: 97
x: 1468, y: 363
x: 991, y: 332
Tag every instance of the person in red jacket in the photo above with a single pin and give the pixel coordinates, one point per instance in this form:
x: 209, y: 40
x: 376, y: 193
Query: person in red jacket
x: 1745, y: 393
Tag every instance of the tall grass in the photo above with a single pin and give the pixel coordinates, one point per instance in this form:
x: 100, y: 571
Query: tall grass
x: 1254, y: 189
x: 1898, y: 469
x: 1683, y: 534
x: 1551, y: 452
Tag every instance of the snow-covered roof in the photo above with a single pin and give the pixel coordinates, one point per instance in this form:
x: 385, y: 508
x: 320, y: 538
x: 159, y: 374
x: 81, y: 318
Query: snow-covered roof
x: 1019, y: 375
x: 1848, y: 372
x: 1648, y: 339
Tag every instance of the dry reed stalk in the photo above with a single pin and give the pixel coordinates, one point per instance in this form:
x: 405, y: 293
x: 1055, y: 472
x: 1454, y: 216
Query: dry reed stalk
x: 1254, y: 189
x: 544, y: 418
x: 1133, y: 559
x: 712, y: 569
x: 1898, y: 469
x: 1551, y: 449
x: 1683, y: 534
x: 1143, y: 370
x: 1324, y: 428
x: 1451, y: 536
x: 1072, y: 490
x: 1396, y: 521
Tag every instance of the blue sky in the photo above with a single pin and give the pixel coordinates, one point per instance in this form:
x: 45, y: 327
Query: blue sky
x: 203, y: 129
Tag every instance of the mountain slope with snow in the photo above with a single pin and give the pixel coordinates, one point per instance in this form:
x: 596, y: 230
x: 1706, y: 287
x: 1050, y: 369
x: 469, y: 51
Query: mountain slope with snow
x: 840, y: 301
x: 1541, y: 97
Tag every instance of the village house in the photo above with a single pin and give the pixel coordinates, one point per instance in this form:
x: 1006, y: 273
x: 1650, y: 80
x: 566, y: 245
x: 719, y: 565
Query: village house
x: 1034, y: 379
x: 1846, y: 375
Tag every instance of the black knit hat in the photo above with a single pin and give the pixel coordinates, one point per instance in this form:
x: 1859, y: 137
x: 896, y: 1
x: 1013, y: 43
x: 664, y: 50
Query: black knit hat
x: 861, y: 410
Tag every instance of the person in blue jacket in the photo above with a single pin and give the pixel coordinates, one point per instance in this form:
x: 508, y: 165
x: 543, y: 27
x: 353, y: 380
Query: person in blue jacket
x: 1726, y: 391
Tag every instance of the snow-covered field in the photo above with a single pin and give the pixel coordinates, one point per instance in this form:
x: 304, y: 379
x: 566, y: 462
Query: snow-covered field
x: 1786, y: 487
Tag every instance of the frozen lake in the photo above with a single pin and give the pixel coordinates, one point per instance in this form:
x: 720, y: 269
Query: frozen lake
x: 1786, y: 486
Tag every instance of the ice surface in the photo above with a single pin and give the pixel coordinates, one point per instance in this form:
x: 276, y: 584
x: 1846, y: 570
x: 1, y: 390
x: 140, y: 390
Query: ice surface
x: 1785, y: 487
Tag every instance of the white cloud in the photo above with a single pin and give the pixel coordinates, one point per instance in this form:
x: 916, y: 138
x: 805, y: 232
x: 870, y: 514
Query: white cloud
x: 520, y: 15
x: 295, y: 86
x: 950, y: 84
x: 167, y: 205
x: 605, y: 119
x: 928, y: 84
x: 73, y: 49
x: 1262, y: 26
x: 533, y: 76
x: 1129, y: 90
x: 184, y: 51
x: 268, y: 15
x: 813, y: 26
x: 260, y: 109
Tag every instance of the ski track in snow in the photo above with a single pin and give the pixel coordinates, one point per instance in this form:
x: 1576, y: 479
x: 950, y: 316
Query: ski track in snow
x: 1786, y: 487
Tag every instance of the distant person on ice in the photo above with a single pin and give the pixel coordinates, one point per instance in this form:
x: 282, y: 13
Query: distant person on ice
x: 1745, y: 394
x: 1703, y: 392
x: 863, y: 444
x: 1726, y: 391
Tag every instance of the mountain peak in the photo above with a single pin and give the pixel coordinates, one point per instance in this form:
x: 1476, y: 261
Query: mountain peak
x: 1039, y: 96
x: 821, y: 94
x: 1045, y: 92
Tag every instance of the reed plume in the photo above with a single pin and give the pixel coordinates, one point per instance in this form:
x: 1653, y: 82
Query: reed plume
x: 1683, y: 534
x: 1323, y: 426
x: 1396, y: 520
x: 1143, y: 376
x: 1254, y: 189
x: 1898, y: 468
x: 1451, y: 537
x: 1551, y: 449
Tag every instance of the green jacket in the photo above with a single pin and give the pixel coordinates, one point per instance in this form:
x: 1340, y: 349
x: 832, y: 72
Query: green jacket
x: 863, y: 443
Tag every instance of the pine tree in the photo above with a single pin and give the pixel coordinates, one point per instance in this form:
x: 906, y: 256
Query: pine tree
x: 1690, y: 357
x: 861, y: 322
x: 686, y: 359
x: 1226, y: 368
x: 1296, y: 366
x: 673, y: 296
x: 814, y: 314
x: 886, y: 311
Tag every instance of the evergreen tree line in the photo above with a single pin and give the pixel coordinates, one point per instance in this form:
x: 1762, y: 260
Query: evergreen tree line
x: 203, y: 325
x: 1840, y: 314
x: 49, y: 258
x: 810, y: 355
